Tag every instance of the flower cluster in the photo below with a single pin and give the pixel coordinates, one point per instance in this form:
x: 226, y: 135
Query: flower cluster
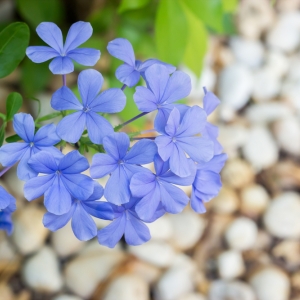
x: 183, y: 148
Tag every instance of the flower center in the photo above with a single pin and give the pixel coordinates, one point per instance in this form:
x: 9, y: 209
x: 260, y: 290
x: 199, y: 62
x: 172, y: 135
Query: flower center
x: 174, y: 139
x: 86, y: 109
x: 120, y: 162
x: 31, y: 144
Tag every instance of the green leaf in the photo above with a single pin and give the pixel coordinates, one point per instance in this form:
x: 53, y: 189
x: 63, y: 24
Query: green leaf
x: 39, y: 104
x: 14, y: 40
x: 37, y: 11
x: 13, y: 138
x: 170, y: 31
x: 14, y: 102
x: 197, y: 43
x: 229, y: 6
x: 3, y: 116
x: 48, y: 117
x: 209, y: 11
x: 2, y: 133
x: 131, y: 4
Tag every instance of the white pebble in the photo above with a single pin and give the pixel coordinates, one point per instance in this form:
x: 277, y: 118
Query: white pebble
x: 161, y: 229
x: 226, y: 202
x: 271, y: 283
x: 192, y: 296
x: 241, y: 234
x: 41, y: 271
x: 230, y: 264
x: 66, y: 297
x: 282, y: 216
x: 260, y: 149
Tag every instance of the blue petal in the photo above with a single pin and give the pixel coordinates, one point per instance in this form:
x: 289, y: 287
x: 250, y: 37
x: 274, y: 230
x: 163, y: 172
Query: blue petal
x: 6, y: 222
x: 144, y: 99
x: 5, y: 198
x: 110, y: 101
x: 46, y: 136
x: 122, y: 49
x: 116, y: 145
x: 89, y: 85
x: 39, y: 54
x: 11, y: 153
x: 57, y: 198
x: 55, y: 222
x: 98, y: 127
x: 64, y: 99
x: 24, y: 171
x: 117, y: 187
x: 61, y: 65
x: 179, y: 163
x: 99, y: 209
x: 141, y: 153
x: 71, y: 127
x: 51, y: 34
x: 142, y: 184
x: 149, y: 62
x: 165, y: 147
x: 83, y: 225
x: 173, y: 199
x: 161, y: 118
x: 52, y: 150
x: 136, y: 232
x: 37, y: 186
x: 73, y: 163
x: 102, y: 164
x: 197, y: 204
x: 179, y: 86
x: 111, y: 234
x: 215, y: 164
x: 79, y: 186
x: 210, y: 102
x: 97, y: 193
x: 24, y: 126
x: 173, y: 122
x: 43, y: 162
x: 78, y: 33
x: 85, y: 56
x: 127, y: 75
x: 199, y: 149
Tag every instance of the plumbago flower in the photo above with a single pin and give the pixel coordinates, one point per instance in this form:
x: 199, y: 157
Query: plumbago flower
x: 71, y: 127
x: 63, y: 54
x: 7, y: 207
x: 81, y: 211
x: 33, y: 143
x: 129, y: 73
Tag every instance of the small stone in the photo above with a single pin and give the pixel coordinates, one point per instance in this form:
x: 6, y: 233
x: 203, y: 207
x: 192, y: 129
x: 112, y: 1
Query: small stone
x: 285, y: 34
x: 270, y: 283
x: 66, y: 297
x: 5, y: 292
x: 241, y: 234
x: 237, y: 173
x: 188, y: 227
x: 148, y: 272
x: 287, y: 132
x: 156, y: 252
x: 247, y: 51
x: 282, y: 216
x: 7, y: 251
x: 254, y: 200
x: 233, y: 290
x: 226, y: 202
x: 29, y: 232
x: 192, y: 296
x: 128, y: 286
x: 230, y: 264
x: 64, y: 241
x: 295, y: 280
x: 260, y: 149
x: 277, y: 63
x: 41, y: 271
x: 263, y: 240
x: 161, y: 229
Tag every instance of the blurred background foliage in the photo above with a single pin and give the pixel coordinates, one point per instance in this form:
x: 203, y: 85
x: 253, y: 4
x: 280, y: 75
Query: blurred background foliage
x: 174, y: 31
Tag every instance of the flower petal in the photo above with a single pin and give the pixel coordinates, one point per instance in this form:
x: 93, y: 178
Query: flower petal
x: 197, y: 204
x: 73, y: 162
x: 179, y: 163
x: 149, y: 62
x: 98, y: 127
x: 99, y: 209
x: 122, y: 49
x: 97, y: 193
x: 110, y: 101
x: 43, y: 162
x: 111, y: 234
x: 102, y: 164
x: 210, y: 102
x: 215, y: 164
x: 78, y: 33
x: 46, y: 136
x: 85, y: 56
x: 116, y: 145
x: 5, y: 198
x: 165, y: 146
x: 71, y: 127
x: 51, y: 34
x: 24, y: 171
x: 127, y: 75
x: 24, y: 126
x: 142, y: 184
x: 55, y: 222
x: 173, y: 122
x: 39, y: 54
x: 11, y: 153
x: 61, y: 65
x: 64, y: 99
x: 144, y: 99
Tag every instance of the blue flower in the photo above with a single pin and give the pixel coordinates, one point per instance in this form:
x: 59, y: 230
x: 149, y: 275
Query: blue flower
x: 207, y: 182
x: 121, y: 164
x: 82, y: 223
x: 61, y: 182
x: 7, y: 207
x: 62, y: 63
x: 33, y: 143
x: 129, y: 73
x: 180, y: 138
x: 161, y: 93
x: 71, y: 127
x: 158, y: 189
x: 127, y: 223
